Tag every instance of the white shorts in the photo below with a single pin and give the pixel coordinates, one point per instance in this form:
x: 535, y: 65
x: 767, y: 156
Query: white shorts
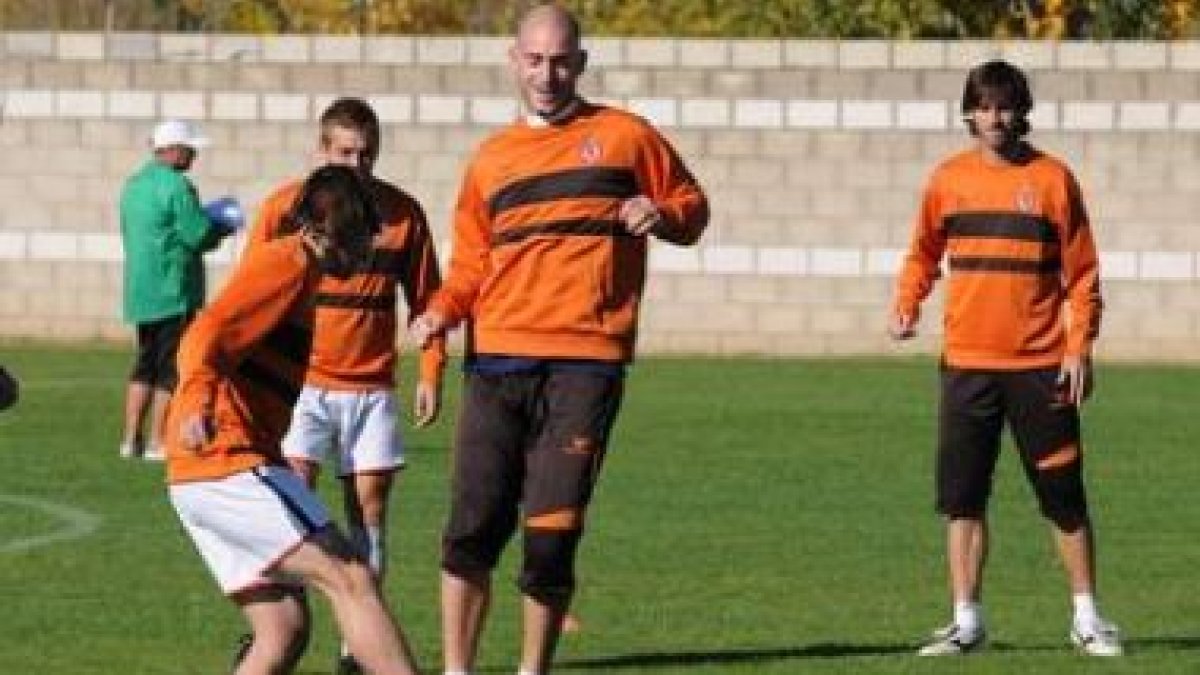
x: 244, y: 524
x: 359, y: 426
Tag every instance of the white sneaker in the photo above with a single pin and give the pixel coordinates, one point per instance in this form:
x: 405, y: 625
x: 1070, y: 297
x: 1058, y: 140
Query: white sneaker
x: 951, y: 640
x: 128, y: 450
x: 1099, y: 639
x: 153, y: 453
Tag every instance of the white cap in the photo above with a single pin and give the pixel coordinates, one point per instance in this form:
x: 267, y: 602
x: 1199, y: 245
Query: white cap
x: 177, y: 132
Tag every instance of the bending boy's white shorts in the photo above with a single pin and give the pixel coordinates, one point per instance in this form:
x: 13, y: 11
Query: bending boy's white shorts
x: 358, y: 426
x: 244, y: 524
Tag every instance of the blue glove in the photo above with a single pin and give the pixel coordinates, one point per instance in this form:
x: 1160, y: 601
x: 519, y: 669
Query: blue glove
x: 226, y: 215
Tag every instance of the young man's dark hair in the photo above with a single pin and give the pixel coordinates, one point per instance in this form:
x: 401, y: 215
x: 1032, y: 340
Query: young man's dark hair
x: 1003, y: 84
x: 352, y: 113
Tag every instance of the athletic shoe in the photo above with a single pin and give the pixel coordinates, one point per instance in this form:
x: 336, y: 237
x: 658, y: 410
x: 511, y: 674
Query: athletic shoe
x: 128, y: 450
x: 153, y: 453
x: 951, y: 640
x: 347, y: 665
x: 1101, y: 638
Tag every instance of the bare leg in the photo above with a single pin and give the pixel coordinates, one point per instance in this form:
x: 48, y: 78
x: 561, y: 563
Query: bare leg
x: 966, y: 553
x: 137, y: 403
x: 465, y: 603
x: 543, y: 621
x: 1078, y: 557
x: 158, y: 416
x: 279, y: 622
x: 376, y: 641
x: 366, y: 496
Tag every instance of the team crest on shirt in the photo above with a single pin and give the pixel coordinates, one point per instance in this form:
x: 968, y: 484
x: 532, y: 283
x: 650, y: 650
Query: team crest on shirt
x: 590, y: 150
x: 1026, y: 199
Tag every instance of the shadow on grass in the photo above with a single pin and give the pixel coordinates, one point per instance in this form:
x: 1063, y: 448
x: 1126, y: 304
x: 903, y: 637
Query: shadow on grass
x: 821, y: 650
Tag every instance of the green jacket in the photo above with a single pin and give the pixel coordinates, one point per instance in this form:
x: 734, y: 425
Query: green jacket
x: 164, y: 232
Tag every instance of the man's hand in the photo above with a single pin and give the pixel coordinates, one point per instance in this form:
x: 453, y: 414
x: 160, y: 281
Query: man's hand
x: 1075, y: 380
x: 197, y: 430
x: 639, y: 215
x: 427, y: 402
x: 424, y: 327
x: 902, y: 326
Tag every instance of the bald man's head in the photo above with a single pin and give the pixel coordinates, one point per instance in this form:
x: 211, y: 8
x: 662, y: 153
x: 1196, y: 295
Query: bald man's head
x: 547, y: 59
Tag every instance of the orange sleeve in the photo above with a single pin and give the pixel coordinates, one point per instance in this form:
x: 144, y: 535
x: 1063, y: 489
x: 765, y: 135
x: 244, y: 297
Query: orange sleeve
x: 1081, y: 274
x: 259, y: 293
x: 422, y: 282
x: 922, y: 263
x: 469, y: 258
x: 668, y: 183
x: 269, y: 220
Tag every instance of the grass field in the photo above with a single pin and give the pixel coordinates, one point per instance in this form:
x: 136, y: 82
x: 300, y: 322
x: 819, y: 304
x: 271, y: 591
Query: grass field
x: 755, y: 516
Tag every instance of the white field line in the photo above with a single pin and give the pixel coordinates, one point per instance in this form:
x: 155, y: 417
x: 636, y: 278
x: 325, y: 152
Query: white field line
x: 76, y: 523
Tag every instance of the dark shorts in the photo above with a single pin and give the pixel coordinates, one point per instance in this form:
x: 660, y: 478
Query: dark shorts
x: 531, y: 443
x: 157, y: 345
x: 975, y: 404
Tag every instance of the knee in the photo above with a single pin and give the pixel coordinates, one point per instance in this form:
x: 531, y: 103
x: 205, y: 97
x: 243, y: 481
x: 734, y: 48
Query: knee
x: 548, y: 571
x: 1063, y: 504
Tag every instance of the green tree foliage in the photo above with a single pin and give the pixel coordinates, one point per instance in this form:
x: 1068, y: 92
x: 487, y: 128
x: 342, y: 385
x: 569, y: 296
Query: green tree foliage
x: 881, y: 19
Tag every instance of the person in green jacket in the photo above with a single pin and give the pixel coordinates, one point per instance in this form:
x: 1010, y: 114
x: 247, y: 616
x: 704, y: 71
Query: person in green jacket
x: 165, y: 233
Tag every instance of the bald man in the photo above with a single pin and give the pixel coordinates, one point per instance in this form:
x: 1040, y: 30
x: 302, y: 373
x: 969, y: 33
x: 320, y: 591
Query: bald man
x: 549, y: 261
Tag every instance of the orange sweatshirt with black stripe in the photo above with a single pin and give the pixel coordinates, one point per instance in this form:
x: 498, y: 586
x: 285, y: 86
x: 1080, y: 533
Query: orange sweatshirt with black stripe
x: 542, y: 265
x: 1024, y: 281
x: 243, y: 360
x: 354, y: 346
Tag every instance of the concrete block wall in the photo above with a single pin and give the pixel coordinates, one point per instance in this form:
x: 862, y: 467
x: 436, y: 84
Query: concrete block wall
x: 813, y: 154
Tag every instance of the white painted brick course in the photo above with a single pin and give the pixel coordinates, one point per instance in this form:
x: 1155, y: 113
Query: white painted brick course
x: 756, y: 53
x: 1084, y: 55
x: 1187, y: 116
x: 234, y: 105
x: 250, y: 48
x: 674, y: 259
x: 488, y: 51
x: 393, y: 109
x: 183, y: 47
x: 812, y: 114
x: 727, y: 259
x: 288, y: 108
x: 705, y: 112
x: 73, y: 103
x: 659, y: 52
x: 1184, y: 55
x: 782, y: 261
x: 1029, y: 54
x: 13, y: 245
x: 391, y: 50
x: 441, y: 109
x: 929, y: 115
x: 1144, y: 116
x: 914, y: 54
x: 1087, y: 116
x: 29, y: 103
x: 810, y: 54
x: 1121, y: 265
x: 493, y: 110
x: 441, y: 51
x: 81, y: 46
x: 835, y: 262
x: 189, y: 105
x: 285, y: 48
x: 1044, y: 115
x: 866, y: 114
x: 29, y: 43
x: 884, y: 262
x: 964, y: 54
x: 758, y: 113
x: 100, y: 247
x: 862, y: 54
x: 1167, y: 266
x: 661, y: 112
x: 130, y: 104
x: 1139, y: 55
x: 605, y: 52
x: 337, y: 49
x: 62, y: 246
x: 695, y: 53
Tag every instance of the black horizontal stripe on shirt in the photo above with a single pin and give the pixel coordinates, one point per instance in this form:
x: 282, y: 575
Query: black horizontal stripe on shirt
x: 379, y: 303
x: 569, y: 184
x: 267, y: 379
x: 577, y: 227
x: 966, y: 263
x: 290, y: 341
x: 1001, y: 225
